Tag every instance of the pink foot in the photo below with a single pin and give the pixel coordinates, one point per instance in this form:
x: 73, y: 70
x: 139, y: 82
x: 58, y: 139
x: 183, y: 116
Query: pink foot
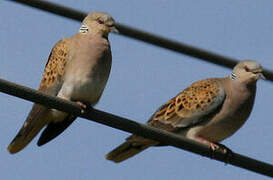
x: 83, y: 106
x: 213, y: 146
x: 216, y: 147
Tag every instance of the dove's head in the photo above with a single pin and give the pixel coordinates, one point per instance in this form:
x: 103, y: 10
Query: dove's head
x: 247, y: 71
x: 98, y: 23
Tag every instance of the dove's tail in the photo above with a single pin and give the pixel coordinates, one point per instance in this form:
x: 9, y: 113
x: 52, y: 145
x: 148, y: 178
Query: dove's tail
x: 54, y: 129
x: 132, y: 146
x: 35, y: 122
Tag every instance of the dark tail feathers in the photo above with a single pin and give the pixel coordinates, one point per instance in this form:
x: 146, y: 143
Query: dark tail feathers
x: 131, y: 147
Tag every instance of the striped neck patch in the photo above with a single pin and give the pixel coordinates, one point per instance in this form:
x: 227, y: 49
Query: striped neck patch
x: 233, y: 76
x: 83, y: 29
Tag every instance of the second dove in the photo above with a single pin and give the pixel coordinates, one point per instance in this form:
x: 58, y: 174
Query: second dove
x: 208, y: 111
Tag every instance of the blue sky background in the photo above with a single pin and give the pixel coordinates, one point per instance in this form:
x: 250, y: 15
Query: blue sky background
x: 142, y: 78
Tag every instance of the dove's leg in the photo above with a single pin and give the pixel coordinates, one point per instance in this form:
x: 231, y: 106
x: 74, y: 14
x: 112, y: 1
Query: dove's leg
x: 212, y: 146
x: 227, y: 151
x: 84, y: 106
x: 67, y: 93
x: 215, y: 147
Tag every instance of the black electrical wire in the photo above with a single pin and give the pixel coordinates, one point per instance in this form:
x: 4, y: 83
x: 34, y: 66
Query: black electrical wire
x: 143, y: 36
x: 134, y: 127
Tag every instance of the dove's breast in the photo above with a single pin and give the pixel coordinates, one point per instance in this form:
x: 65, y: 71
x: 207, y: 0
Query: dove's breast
x: 87, y: 72
x: 233, y: 114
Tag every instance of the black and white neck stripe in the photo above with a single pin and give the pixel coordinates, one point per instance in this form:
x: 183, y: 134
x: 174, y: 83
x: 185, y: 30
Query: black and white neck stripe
x: 233, y: 76
x: 83, y: 29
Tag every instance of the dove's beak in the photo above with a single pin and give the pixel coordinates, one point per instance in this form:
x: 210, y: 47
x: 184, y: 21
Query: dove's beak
x: 259, y: 73
x: 262, y: 76
x: 114, y: 29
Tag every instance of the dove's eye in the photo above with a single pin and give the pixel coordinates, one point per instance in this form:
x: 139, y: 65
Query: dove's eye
x: 247, y: 69
x: 100, y: 21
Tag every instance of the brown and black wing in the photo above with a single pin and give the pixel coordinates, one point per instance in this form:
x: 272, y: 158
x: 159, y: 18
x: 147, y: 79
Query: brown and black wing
x: 51, y: 83
x: 184, y: 110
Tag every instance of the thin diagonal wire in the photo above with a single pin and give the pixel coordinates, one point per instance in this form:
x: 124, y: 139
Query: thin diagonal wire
x: 134, y: 127
x: 143, y: 36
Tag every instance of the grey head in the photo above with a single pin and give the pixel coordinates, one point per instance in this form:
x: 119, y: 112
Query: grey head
x: 98, y: 22
x: 247, y: 71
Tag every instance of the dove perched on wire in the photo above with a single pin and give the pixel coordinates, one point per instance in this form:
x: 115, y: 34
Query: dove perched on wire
x: 208, y: 111
x: 77, y: 70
